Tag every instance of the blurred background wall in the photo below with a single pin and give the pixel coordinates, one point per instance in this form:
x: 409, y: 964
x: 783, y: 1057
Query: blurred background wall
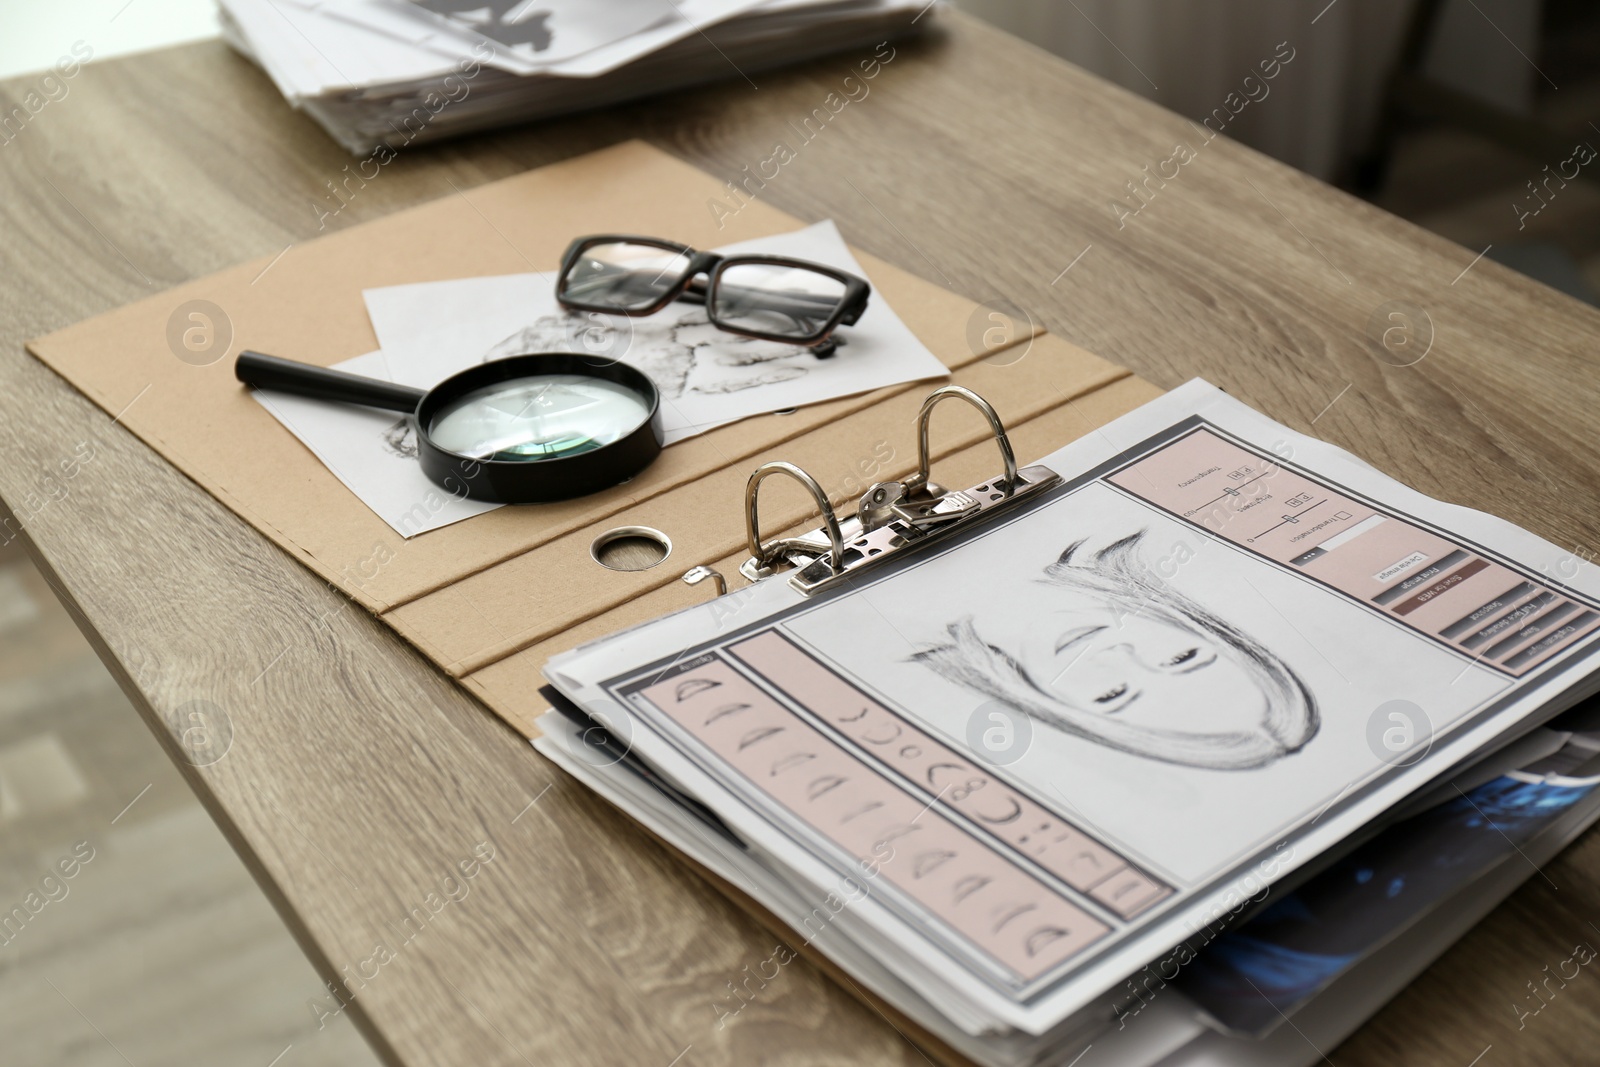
x: 1188, y: 55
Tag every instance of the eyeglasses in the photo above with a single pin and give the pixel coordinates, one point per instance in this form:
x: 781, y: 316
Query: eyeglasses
x: 774, y: 298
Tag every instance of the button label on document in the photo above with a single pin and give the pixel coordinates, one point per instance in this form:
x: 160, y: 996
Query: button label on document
x: 1395, y: 570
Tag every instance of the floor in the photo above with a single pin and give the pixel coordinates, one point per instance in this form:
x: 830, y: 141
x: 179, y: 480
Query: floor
x: 160, y: 950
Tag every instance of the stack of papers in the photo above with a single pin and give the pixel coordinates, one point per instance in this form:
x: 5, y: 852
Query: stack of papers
x: 383, y: 74
x: 1190, y: 760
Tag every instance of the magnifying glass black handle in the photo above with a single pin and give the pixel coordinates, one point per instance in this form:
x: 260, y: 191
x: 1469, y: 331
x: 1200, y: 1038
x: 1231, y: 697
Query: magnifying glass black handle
x: 303, y: 379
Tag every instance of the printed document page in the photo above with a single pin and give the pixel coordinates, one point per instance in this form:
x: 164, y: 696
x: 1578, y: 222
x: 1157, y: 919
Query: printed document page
x: 1048, y: 752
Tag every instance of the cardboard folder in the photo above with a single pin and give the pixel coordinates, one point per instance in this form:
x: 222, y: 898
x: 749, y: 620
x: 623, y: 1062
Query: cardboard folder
x: 491, y: 598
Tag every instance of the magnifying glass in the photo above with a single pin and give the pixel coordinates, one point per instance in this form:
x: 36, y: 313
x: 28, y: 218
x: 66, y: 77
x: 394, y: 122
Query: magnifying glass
x: 520, y: 430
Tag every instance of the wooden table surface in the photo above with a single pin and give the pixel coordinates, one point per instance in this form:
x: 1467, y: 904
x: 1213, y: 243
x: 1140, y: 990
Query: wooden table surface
x: 358, y: 780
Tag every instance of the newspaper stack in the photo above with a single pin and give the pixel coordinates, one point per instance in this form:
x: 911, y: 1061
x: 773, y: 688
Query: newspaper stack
x: 382, y: 74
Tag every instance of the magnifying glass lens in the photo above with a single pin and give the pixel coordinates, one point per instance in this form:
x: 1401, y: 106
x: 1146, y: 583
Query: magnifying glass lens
x: 547, y: 416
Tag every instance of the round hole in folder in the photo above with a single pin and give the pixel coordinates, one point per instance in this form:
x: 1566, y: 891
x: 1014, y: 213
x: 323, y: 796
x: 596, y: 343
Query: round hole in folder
x: 630, y: 548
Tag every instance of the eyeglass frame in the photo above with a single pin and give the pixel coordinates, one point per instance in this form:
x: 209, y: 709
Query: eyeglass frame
x: 712, y: 264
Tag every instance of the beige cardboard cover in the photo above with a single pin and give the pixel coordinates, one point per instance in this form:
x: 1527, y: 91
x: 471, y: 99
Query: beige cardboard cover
x: 490, y: 598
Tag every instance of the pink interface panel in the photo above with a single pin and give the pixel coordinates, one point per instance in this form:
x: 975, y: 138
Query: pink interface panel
x: 958, y: 856
x: 1419, y: 579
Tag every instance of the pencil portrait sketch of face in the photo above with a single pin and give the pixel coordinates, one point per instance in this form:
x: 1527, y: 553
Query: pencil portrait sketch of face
x: 1099, y: 646
x: 679, y: 348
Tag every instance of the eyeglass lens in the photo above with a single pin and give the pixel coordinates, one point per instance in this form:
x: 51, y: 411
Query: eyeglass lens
x: 623, y: 275
x: 775, y: 299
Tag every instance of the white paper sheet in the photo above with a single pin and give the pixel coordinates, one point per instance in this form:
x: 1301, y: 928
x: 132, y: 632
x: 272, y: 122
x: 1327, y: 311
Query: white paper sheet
x: 374, y: 453
x: 567, y: 37
x: 707, y: 377
x: 307, y: 52
x: 543, y: 35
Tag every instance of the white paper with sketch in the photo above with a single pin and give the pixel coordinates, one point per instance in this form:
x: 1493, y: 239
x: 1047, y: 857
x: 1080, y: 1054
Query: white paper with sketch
x: 314, y: 47
x: 528, y: 38
x: 543, y: 35
x: 707, y: 376
x: 374, y: 453
x: 1052, y: 751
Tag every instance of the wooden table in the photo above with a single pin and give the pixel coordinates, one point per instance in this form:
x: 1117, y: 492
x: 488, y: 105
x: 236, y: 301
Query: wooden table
x: 359, y: 779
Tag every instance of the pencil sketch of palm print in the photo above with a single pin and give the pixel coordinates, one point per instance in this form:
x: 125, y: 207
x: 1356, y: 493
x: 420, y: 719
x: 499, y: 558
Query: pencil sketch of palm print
x: 488, y: 17
x: 399, y: 439
x: 681, y: 351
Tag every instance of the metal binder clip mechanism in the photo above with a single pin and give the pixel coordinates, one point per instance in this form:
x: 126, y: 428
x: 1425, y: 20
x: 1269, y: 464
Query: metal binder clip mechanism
x: 890, y: 516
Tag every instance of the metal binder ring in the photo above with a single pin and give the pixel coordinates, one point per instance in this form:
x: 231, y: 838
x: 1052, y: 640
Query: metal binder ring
x: 765, y: 554
x: 919, y: 480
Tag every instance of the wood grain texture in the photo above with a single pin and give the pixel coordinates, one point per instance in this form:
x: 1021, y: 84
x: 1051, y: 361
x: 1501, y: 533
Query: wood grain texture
x: 359, y: 778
